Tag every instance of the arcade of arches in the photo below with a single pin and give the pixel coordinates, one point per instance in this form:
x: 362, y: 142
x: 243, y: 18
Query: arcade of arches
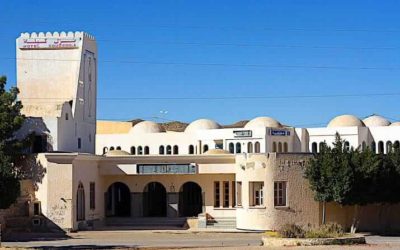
x: 154, y: 201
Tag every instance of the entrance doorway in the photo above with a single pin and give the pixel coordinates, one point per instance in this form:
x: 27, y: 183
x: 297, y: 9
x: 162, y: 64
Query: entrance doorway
x: 118, y: 200
x: 80, y: 203
x: 190, y: 200
x: 154, y: 200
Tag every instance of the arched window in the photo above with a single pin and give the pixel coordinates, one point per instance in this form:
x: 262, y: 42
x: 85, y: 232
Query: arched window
x: 321, y: 144
x: 238, y: 148
x: 396, y: 144
x: 314, y: 147
x: 274, y: 147
x: 118, y: 148
x: 80, y: 202
x: 257, y: 147
x: 285, y: 147
x: 363, y: 146
x: 249, y: 147
x: 169, y: 150
x: 105, y: 150
x: 381, y: 147
x: 111, y: 148
x: 205, y: 148
x: 373, y: 147
x: 146, y: 150
x: 191, y: 149
x: 176, y: 150
x: 346, y: 145
x: 389, y: 147
x: 280, y: 147
x: 231, y: 148
x: 133, y: 150
x: 140, y: 150
x: 161, y: 150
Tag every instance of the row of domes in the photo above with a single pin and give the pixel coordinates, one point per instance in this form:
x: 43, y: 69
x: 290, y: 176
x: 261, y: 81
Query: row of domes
x: 353, y: 121
x: 203, y: 124
x: 262, y: 122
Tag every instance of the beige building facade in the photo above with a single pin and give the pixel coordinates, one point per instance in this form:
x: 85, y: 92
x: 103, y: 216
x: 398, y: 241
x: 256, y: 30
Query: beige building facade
x: 99, y: 173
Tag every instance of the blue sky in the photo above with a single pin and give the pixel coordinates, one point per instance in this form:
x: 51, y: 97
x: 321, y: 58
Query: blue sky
x: 360, y: 37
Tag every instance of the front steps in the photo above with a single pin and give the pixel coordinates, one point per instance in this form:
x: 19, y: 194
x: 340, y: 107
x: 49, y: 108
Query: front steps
x: 222, y: 223
x: 145, y: 223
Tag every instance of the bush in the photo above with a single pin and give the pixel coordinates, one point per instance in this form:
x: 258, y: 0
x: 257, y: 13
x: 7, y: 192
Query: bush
x: 292, y: 231
x: 330, y: 230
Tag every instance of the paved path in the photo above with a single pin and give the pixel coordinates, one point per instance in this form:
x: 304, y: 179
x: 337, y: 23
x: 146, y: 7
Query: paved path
x: 182, y: 239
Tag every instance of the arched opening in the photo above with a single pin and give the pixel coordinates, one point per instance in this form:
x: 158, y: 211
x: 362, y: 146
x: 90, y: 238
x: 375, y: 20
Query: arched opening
x: 280, y: 147
x: 363, y: 146
x: 161, y: 150
x: 146, y: 150
x: 257, y: 147
x: 231, y: 148
x: 139, y: 150
x: 191, y: 149
x: 118, y: 200
x: 154, y: 200
x: 105, y: 150
x: 249, y: 147
x: 205, y: 148
x: 111, y: 148
x: 389, y: 147
x: 321, y: 145
x: 285, y: 147
x: 346, y: 145
x: 169, y: 150
x: 190, y: 199
x: 176, y: 150
x: 314, y: 147
x: 133, y: 150
x: 396, y: 145
x: 238, y: 148
x: 274, y: 147
x: 373, y: 147
x: 381, y: 147
x: 118, y: 148
x: 80, y: 202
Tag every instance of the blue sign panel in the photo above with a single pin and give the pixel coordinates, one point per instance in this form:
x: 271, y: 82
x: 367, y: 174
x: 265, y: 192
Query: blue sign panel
x: 276, y: 132
x: 166, y: 169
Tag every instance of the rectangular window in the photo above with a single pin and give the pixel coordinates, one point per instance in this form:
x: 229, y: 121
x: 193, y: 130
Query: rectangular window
x: 256, y: 193
x: 92, y: 195
x: 226, y: 194
x: 216, y: 194
x: 79, y: 143
x: 239, y: 193
x: 36, y: 208
x: 280, y: 193
x: 233, y: 194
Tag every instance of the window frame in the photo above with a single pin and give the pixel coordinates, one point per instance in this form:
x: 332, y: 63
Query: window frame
x: 276, y: 196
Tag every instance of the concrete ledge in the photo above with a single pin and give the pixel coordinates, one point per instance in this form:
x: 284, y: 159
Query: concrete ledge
x: 346, y: 240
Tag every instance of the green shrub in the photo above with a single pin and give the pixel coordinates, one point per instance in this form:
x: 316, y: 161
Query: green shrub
x: 291, y: 231
x: 330, y: 230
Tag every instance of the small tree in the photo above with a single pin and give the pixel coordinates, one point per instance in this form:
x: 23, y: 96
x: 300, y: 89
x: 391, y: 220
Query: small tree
x: 10, y: 121
x: 329, y: 174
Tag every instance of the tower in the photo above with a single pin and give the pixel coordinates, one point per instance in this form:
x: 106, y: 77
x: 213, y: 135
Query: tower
x: 57, y: 79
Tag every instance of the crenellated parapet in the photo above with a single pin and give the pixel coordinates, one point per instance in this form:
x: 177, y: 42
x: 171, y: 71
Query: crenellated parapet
x: 62, y: 34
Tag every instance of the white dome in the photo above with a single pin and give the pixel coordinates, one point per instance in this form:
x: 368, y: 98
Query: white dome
x: 202, y: 124
x: 395, y: 124
x: 376, y: 121
x: 345, y: 121
x: 146, y: 127
x: 116, y: 153
x: 217, y: 151
x: 262, y: 122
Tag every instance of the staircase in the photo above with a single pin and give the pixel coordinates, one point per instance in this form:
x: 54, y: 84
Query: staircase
x: 222, y: 223
x: 146, y: 223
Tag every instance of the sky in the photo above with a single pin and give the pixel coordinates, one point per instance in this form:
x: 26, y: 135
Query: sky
x: 302, y: 62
